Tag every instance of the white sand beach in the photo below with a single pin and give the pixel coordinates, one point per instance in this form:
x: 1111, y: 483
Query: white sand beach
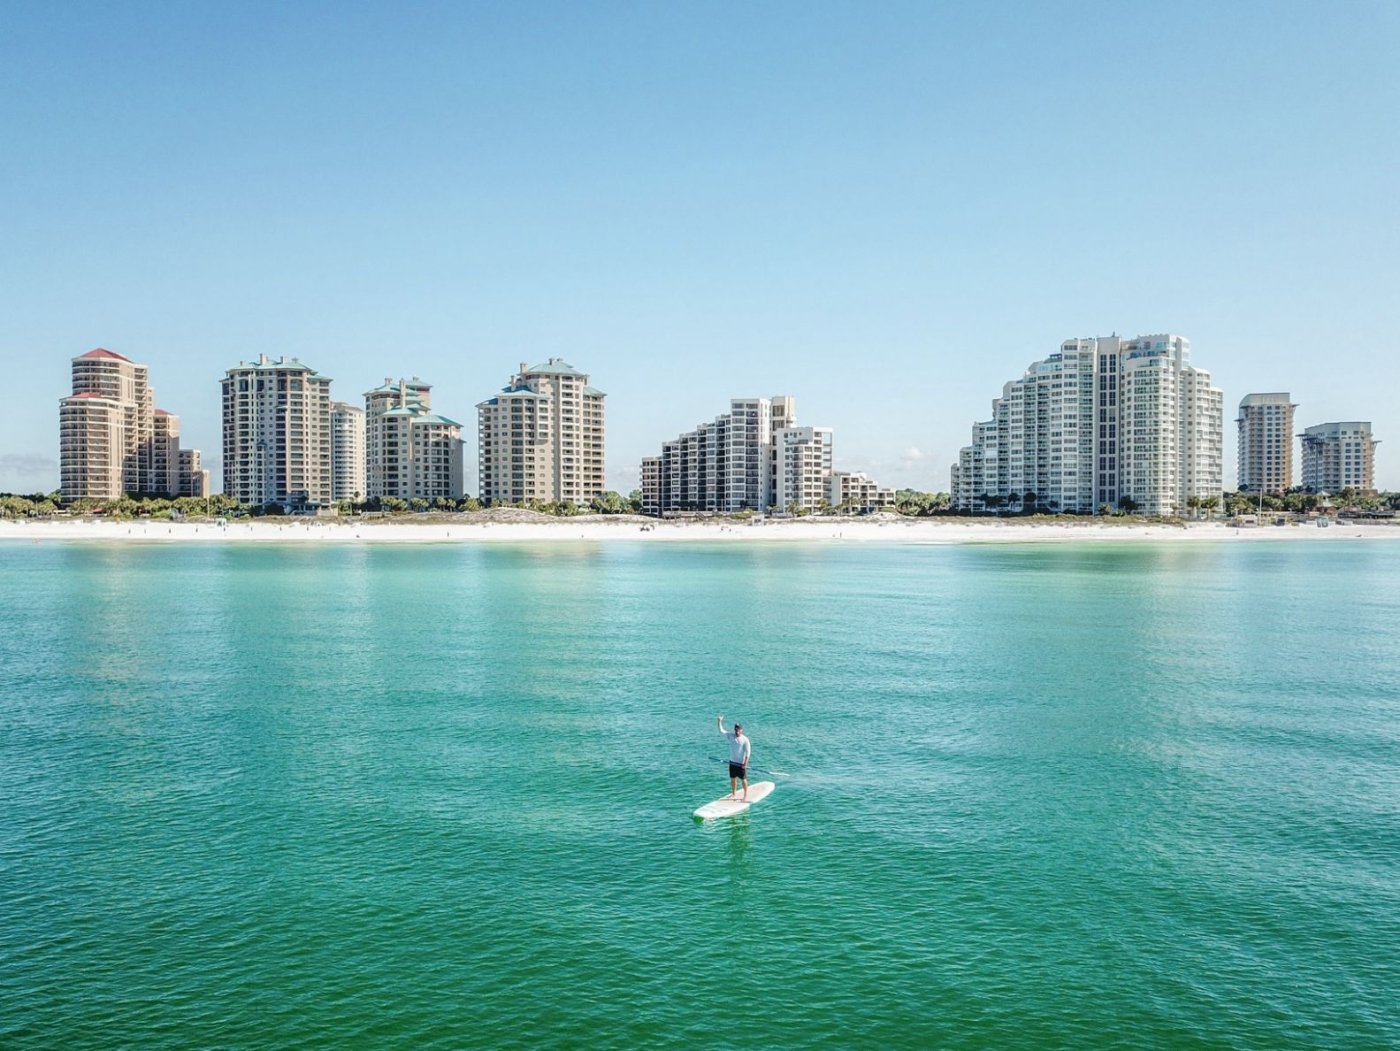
x: 524, y: 527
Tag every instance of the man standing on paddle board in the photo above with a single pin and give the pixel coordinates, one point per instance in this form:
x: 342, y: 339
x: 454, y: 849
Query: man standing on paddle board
x: 739, y: 749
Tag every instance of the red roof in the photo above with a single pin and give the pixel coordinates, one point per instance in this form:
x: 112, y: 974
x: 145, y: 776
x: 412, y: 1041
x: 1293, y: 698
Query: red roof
x: 92, y: 394
x: 100, y: 352
x: 162, y: 412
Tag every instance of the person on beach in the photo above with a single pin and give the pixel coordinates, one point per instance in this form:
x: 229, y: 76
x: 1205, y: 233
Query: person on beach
x: 739, y: 749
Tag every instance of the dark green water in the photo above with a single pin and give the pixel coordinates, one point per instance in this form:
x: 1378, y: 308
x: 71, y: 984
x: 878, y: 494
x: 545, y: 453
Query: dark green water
x: 1078, y: 796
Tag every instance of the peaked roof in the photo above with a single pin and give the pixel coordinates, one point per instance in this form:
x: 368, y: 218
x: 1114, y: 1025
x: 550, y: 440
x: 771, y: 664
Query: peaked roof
x: 555, y: 367
x: 102, y: 352
x: 435, y: 418
x: 392, y: 387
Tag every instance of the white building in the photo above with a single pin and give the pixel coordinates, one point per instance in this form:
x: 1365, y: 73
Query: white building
x: 542, y: 437
x: 1103, y: 421
x: 803, y: 468
x: 1339, y: 456
x: 277, y: 432
x: 1265, y: 426
x: 853, y: 491
x: 726, y: 465
x: 347, y: 452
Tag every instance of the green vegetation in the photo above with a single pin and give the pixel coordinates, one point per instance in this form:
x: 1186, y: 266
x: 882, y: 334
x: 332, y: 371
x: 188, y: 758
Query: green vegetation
x: 916, y: 504
x: 40, y: 505
x: 1299, y: 501
x: 909, y: 502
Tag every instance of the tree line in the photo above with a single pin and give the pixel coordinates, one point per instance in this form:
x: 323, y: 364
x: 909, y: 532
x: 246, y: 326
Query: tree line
x: 43, y: 505
x: 911, y: 503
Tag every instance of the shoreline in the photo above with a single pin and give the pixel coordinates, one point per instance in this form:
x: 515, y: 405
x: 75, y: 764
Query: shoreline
x: 598, y: 528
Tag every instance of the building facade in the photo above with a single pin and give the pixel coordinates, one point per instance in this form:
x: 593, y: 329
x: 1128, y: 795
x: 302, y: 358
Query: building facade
x: 347, y: 452
x: 1104, y: 421
x: 804, y: 457
x: 853, y: 491
x: 411, y: 452
x: 113, y: 441
x: 277, y: 433
x: 194, y: 477
x: 651, y: 485
x: 724, y: 466
x: 1339, y: 456
x: 542, y: 437
x: 1265, y: 426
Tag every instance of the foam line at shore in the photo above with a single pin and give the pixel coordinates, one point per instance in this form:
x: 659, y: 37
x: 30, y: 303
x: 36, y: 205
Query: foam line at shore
x: 893, y: 531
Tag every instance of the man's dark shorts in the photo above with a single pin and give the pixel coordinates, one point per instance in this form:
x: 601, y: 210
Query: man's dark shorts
x: 737, y: 770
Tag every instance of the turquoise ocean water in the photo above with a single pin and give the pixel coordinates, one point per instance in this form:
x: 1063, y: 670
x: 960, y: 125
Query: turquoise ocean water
x: 438, y: 796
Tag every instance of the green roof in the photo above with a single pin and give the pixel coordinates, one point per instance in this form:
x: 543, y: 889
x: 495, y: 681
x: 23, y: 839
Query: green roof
x: 556, y: 367
x: 594, y: 392
x: 417, y: 414
x: 393, y: 388
x: 281, y: 365
x: 433, y: 417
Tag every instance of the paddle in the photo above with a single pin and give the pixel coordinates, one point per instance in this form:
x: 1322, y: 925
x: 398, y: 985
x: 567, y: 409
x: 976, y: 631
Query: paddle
x: 756, y: 769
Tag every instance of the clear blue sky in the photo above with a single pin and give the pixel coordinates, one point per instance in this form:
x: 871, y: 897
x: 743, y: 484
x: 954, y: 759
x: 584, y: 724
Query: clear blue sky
x: 885, y: 209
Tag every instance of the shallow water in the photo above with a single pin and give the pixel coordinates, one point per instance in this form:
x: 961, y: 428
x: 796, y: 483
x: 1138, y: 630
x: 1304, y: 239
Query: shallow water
x: 1039, y: 796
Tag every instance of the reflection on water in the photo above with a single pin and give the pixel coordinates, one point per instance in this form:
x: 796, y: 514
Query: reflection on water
x: 1051, y: 795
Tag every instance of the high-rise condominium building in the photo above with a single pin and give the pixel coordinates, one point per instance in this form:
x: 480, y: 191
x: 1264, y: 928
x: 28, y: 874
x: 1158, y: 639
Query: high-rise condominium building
x: 651, y: 485
x: 112, y: 439
x: 1339, y: 456
x: 1266, y: 443
x: 803, y: 476
x: 277, y: 432
x: 411, y: 452
x: 725, y: 465
x: 541, y: 437
x: 194, y: 477
x: 347, y: 452
x: 1103, y: 421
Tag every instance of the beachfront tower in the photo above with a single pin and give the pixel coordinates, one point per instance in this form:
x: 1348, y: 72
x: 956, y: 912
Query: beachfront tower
x: 541, y: 437
x: 412, y: 453
x: 1339, y: 456
x: 113, y: 441
x: 1104, y: 421
x: 726, y: 465
x: 277, y: 433
x: 347, y: 452
x: 804, y: 469
x: 1265, y: 425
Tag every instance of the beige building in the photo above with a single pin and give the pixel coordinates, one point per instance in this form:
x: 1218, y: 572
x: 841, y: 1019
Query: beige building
x: 853, y: 491
x: 347, y: 452
x: 410, y: 451
x: 803, y: 468
x: 1265, y: 426
x: 194, y: 478
x: 541, y: 437
x: 277, y: 433
x: 113, y: 441
x: 1339, y: 456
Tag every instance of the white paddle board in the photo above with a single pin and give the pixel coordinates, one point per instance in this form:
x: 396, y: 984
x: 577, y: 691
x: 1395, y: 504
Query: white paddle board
x: 728, y: 806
